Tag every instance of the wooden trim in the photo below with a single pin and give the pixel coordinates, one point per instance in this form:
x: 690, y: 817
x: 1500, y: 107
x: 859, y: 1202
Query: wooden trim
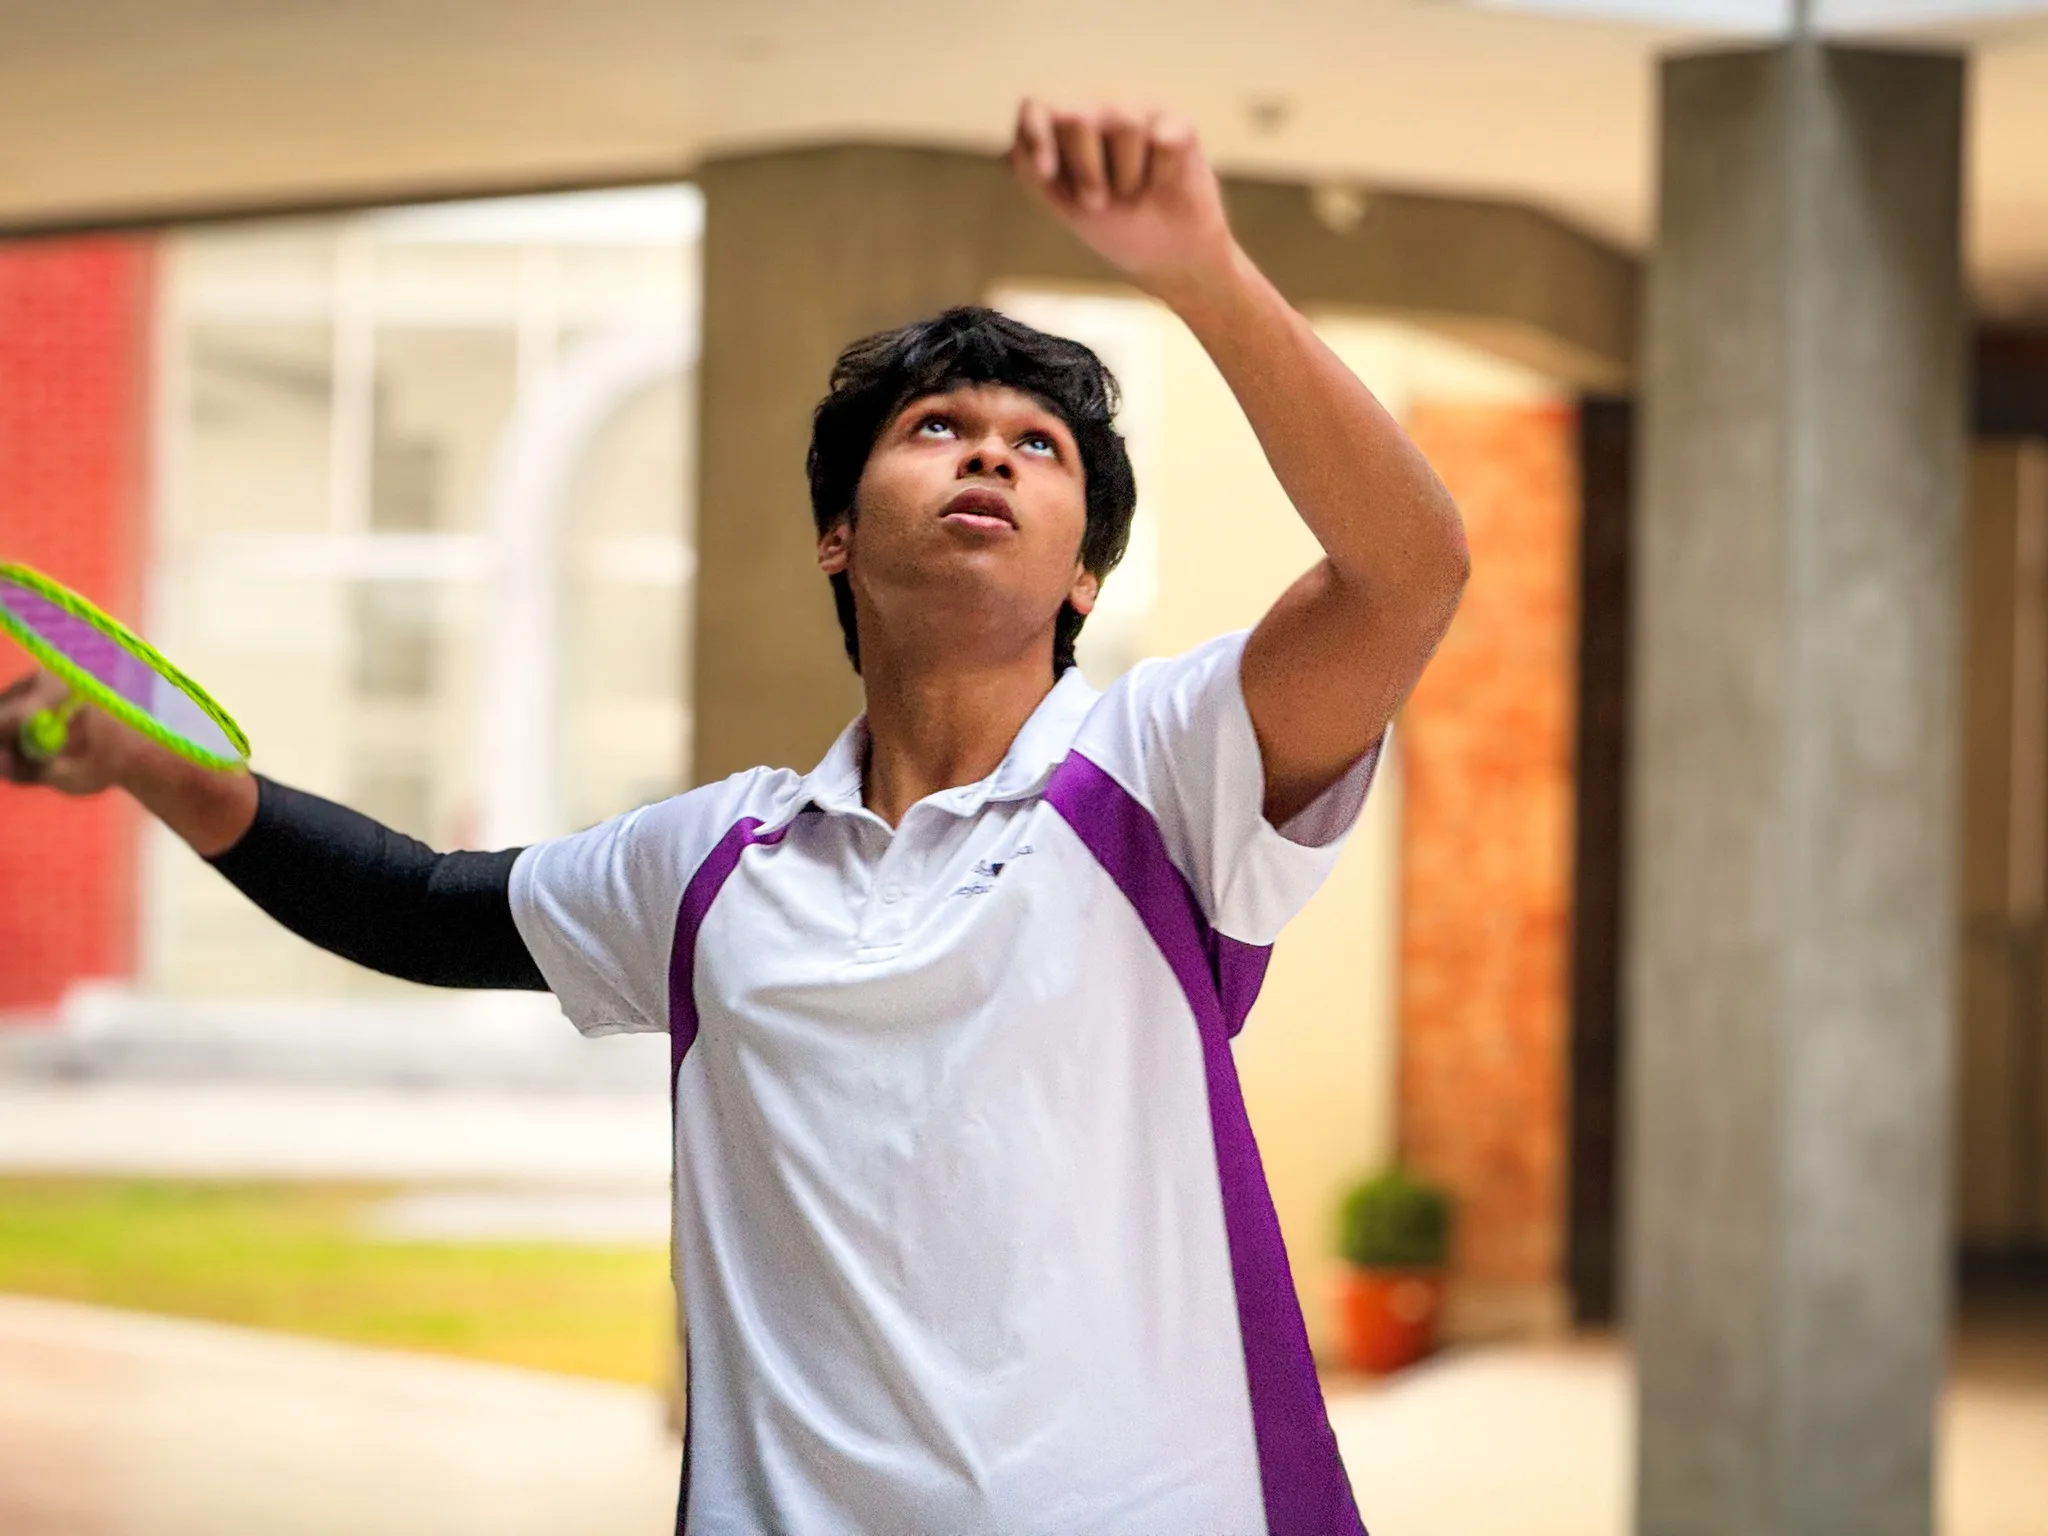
x: 1593, y: 1230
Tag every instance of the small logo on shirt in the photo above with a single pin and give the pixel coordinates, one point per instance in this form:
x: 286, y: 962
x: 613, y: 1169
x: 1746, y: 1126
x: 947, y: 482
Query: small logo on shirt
x: 987, y: 871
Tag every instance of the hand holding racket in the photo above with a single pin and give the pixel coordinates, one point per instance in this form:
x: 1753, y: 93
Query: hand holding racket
x: 91, y: 754
x: 105, y: 709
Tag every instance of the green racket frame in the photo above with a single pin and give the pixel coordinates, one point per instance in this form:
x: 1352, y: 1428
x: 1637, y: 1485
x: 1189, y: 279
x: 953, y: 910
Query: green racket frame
x: 45, y: 728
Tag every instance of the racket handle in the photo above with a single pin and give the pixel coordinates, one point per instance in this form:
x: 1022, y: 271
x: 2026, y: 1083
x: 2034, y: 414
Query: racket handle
x: 44, y: 733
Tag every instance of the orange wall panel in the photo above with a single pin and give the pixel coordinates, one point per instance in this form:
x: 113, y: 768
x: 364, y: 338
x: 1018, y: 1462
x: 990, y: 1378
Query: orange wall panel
x: 74, y: 357
x: 1486, y: 849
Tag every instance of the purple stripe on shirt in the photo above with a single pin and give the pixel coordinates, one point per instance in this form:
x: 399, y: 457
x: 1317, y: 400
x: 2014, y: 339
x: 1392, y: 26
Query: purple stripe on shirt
x: 703, y: 888
x: 1301, y: 1475
x: 1240, y: 972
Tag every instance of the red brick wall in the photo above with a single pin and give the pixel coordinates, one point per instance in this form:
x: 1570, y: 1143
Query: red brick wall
x: 1486, y: 844
x: 73, y: 429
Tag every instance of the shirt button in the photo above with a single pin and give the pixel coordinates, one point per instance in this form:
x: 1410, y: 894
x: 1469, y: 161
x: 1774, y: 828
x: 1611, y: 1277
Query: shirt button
x: 892, y: 892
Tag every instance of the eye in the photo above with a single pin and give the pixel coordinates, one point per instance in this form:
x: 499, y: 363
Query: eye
x: 1041, y: 443
x: 935, y: 425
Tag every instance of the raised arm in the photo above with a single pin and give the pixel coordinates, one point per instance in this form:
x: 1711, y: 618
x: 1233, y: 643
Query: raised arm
x: 331, y: 875
x: 1331, y: 661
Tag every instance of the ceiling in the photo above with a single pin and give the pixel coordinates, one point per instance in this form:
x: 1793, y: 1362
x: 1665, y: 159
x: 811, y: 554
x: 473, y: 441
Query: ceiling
x: 121, y: 110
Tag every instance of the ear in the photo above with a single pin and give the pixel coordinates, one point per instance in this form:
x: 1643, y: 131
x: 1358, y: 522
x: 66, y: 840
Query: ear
x: 835, y: 547
x: 1086, y: 587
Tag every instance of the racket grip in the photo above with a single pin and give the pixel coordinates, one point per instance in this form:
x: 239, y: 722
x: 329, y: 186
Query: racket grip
x: 44, y: 733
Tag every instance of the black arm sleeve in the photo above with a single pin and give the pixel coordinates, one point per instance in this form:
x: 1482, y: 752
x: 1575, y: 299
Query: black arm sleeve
x: 375, y: 896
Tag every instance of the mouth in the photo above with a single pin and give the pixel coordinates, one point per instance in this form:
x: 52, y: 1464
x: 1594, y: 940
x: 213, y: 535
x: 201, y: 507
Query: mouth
x: 981, y: 508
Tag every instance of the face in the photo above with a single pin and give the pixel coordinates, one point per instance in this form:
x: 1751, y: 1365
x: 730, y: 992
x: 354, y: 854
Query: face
x: 967, y: 525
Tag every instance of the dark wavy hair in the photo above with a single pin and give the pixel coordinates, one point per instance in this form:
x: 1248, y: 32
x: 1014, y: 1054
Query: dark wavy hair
x: 878, y: 375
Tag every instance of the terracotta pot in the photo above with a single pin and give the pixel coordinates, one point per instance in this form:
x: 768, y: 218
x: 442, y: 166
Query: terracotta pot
x: 1389, y: 1316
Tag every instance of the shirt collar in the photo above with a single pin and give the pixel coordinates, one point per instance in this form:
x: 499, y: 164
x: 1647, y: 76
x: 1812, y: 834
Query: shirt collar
x: 834, y: 785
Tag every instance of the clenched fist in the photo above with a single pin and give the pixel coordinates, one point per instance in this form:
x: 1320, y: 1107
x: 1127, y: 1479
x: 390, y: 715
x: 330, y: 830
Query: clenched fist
x: 1135, y: 187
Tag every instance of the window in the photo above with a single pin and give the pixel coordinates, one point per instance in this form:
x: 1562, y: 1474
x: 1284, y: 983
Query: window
x: 420, y: 531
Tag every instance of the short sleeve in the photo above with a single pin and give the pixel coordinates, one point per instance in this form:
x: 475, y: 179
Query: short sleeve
x: 1177, y: 735
x: 597, y: 909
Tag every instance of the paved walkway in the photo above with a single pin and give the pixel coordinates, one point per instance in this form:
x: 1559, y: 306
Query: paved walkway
x: 117, y: 1424
x: 271, y: 1131
x: 1531, y: 1441
x: 1537, y: 1442
x: 114, y: 1424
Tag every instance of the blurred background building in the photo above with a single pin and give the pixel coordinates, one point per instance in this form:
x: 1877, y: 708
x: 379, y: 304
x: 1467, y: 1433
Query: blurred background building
x: 432, y: 383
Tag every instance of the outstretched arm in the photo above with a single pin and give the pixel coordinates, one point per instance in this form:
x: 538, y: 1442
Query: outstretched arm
x: 334, y: 877
x: 1331, y: 661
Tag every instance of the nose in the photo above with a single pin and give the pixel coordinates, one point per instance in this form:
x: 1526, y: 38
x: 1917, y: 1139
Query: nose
x: 989, y: 458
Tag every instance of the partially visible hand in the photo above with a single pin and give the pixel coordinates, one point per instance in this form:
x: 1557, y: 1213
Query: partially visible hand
x: 96, y: 749
x: 1136, y: 188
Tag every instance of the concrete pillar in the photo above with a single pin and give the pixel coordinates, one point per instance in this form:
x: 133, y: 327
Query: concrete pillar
x: 1791, y: 948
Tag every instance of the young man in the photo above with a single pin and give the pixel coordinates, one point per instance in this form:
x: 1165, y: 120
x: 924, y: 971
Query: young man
x: 970, y: 1229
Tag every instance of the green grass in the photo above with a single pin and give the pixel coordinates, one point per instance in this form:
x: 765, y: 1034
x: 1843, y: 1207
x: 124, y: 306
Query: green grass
x: 294, y: 1258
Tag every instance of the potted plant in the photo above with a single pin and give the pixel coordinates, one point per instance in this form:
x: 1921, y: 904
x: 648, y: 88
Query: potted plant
x: 1395, y: 1240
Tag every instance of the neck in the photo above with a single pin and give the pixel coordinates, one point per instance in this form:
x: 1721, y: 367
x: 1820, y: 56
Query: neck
x: 936, y: 724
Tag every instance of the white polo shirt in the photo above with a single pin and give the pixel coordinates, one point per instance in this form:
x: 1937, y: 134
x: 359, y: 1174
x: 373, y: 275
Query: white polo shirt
x: 970, y: 1231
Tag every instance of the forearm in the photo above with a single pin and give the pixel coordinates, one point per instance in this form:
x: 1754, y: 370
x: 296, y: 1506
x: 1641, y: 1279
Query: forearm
x: 1385, y: 521
x: 1331, y: 661
x: 209, y: 808
x: 377, y: 897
